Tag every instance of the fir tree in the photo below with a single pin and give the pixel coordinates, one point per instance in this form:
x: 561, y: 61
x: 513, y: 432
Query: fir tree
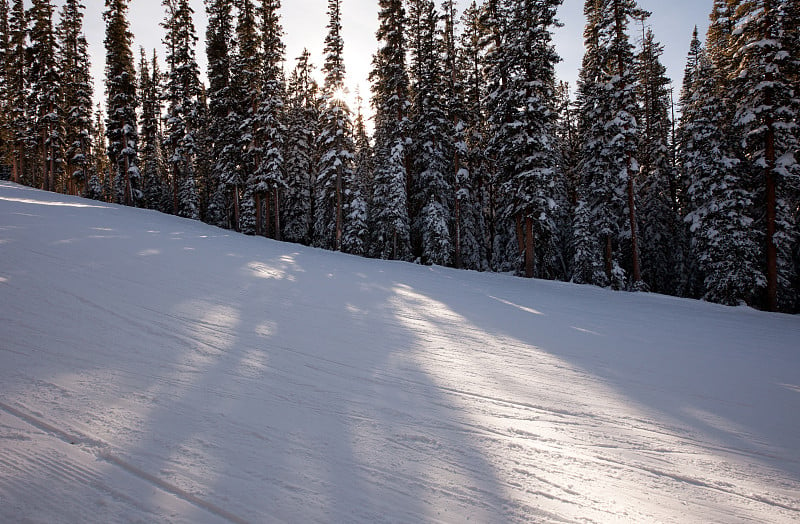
x: 182, y: 91
x: 5, y: 108
x: 470, y: 124
x: 77, y: 96
x: 268, y: 129
x: 524, y: 141
x: 16, y: 85
x: 431, y: 189
x: 121, y: 104
x: 494, y: 22
x: 44, y: 97
x: 661, y: 243
x: 302, y: 117
x: 722, y: 239
x: 157, y: 194
x: 222, y: 129
x: 356, y: 230
x: 605, y: 222
x: 766, y: 119
x: 334, y: 143
x: 246, y: 86
x: 389, y: 215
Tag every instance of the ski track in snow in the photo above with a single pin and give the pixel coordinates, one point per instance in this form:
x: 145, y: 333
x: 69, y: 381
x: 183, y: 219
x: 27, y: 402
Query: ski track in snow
x: 157, y: 369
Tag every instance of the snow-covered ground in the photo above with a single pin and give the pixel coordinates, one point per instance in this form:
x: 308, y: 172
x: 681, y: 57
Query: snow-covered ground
x: 158, y: 369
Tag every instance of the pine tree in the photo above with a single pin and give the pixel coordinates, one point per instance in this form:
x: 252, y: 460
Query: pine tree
x: 268, y: 128
x: 532, y: 190
x: 356, y: 230
x: 157, y: 194
x: 605, y: 222
x: 77, y: 96
x: 5, y: 108
x: 766, y: 119
x: 121, y: 104
x: 44, y: 97
x: 471, y: 176
x: 302, y: 115
x: 246, y: 86
x: 16, y: 84
x: 182, y: 91
x: 222, y: 128
x: 334, y: 143
x: 661, y: 242
x: 494, y: 21
x: 718, y: 202
x: 431, y: 177
x: 390, y: 215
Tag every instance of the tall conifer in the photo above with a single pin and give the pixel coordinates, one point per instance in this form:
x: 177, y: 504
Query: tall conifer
x: 121, y: 104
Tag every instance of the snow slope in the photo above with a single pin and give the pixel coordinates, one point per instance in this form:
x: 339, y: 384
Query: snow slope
x: 158, y: 369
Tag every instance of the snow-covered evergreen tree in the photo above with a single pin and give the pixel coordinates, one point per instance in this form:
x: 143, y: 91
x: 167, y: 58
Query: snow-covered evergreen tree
x: 390, y: 225
x: 268, y: 128
x: 470, y: 124
x: 15, y: 86
x: 157, y: 192
x: 533, y: 193
x: 44, y: 97
x: 718, y: 201
x: 605, y: 233
x: 302, y: 116
x: 766, y: 119
x: 355, y: 236
x: 246, y: 83
x: 335, y: 142
x: 121, y: 104
x: 5, y: 108
x: 657, y: 192
x: 77, y: 96
x: 431, y: 192
x: 222, y: 129
x: 181, y: 92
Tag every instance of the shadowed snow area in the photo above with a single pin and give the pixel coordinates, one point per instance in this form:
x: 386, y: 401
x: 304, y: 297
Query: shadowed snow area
x: 158, y: 369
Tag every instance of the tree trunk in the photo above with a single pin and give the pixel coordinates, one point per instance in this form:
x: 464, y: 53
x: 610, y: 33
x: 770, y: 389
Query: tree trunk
x: 528, y: 247
x: 257, y: 197
x: 236, y: 224
x: 267, y: 200
x: 769, y: 153
x: 609, y: 259
x: 338, y: 245
x: 277, y: 215
x: 637, y: 273
x: 458, y: 262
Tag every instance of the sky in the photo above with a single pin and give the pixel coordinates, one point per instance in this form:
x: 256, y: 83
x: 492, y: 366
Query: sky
x: 304, y: 24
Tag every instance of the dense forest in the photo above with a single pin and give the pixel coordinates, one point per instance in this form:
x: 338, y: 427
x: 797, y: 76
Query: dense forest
x: 480, y: 158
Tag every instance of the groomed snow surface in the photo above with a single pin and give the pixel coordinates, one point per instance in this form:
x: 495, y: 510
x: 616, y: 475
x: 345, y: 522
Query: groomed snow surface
x: 154, y: 369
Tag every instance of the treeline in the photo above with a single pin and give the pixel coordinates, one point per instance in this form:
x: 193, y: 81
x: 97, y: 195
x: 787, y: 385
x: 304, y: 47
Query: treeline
x: 480, y: 158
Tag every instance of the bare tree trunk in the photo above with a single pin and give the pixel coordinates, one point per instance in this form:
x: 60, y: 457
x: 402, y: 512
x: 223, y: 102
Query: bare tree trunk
x: 338, y: 246
x: 520, y: 235
x: 769, y: 153
x: 637, y: 272
x: 528, y: 247
x: 277, y: 215
x: 259, y: 219
x: 236, y: 222
x: 267, y: 200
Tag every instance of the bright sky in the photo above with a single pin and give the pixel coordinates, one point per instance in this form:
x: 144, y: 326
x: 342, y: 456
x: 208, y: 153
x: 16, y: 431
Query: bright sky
x: 304, y: 24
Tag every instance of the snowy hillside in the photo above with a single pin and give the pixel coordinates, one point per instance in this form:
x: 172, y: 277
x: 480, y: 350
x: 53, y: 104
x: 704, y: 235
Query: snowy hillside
x: 157, y: 369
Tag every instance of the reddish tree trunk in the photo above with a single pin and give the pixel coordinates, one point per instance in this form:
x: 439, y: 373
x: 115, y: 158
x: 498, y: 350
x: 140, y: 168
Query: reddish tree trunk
x: 528, y: 247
